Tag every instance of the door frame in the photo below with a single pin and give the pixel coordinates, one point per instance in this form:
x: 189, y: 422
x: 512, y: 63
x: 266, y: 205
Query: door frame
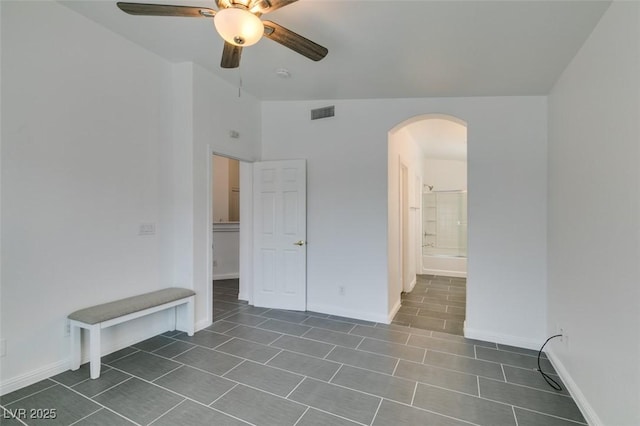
x: 246, y: 234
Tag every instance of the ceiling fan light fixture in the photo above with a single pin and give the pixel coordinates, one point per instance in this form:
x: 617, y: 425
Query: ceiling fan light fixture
x: 238, y: 26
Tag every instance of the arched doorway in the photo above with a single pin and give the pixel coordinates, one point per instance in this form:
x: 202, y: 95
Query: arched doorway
x: 427, y: 222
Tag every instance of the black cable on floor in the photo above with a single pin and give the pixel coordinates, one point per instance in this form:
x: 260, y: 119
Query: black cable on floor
x: 545, y: 376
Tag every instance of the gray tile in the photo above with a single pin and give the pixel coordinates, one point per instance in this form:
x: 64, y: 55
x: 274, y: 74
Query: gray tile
x: 392, y: 349
x: 294, y: 317
x: 529, y: 418
x: 316, y: 314
x: 408, y: 310
x: 512, y: 358
x: 195, y: 384
x: 209, y: 360
x: 440, y: 315
x: 442, y: 345
x: 254, y: 310
x: 26, y: 391
x: 70, y: 378
x: 523, y: 351
x: 259, y: 408
x: 106, y: 359
x: 454, y: 327
x: 145, y: 365
x: 541, y: 401
x: 285, y: 327
x: 305, y: 365
x: 104, y: 417
x: 352, y: 320
x: 381, y: 334
x: 174, y: 349
x: 221, y: 326
x: 10, y: 418
x: 383, y: 385
x: 463, y: 364
x: 153, y: 343
x: 464, y: 407
x: 343, y: 402
x: 333, y: 337
x: 139, y: 401
x: 329, y: 324
x: 249, y: 350
x: 409, y: 303
x: 246, y: 319
x: 392, y: 413
x: 254, y: 334
x: 314, y: 417
x: 437, y: 376
x: 268, y: 379
x: 107, y: 379
x: 69, y: 406
x: 189, y: 413
x: 305, y: 346
x: 457, y: 310
x: 421, y: 322
x: 461, y: 339
x: 531, y: 378
x: 204, y: 338
x: 370, y: 361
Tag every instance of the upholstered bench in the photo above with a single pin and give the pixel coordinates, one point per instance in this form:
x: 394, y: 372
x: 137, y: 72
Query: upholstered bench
x: 102, y: 316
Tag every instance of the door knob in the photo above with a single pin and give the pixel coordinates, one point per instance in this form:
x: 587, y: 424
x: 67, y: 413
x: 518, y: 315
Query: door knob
x: 299, y: 243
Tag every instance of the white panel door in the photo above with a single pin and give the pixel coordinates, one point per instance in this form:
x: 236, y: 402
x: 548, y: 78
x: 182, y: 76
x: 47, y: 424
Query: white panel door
x: 280, y: 232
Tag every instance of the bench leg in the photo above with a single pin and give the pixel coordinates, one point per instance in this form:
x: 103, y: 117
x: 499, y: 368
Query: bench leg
x: 76, y: 347
x: 191, y: 316
x: 94, y: 351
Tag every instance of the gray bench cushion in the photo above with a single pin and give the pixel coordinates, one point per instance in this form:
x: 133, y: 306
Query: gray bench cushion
x: 119, y: 308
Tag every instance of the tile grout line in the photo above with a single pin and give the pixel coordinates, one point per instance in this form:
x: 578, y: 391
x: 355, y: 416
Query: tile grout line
x: 11, y: 416
x: 111, y: 387
x: 373, y: 419
x: 221, y: 396
x: 415, y: 390
x: 302, y: 415
x: 166, y: 412
x: 513, y: 409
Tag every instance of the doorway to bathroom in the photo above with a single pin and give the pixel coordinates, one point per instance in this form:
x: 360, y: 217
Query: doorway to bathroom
x: 432, y: 223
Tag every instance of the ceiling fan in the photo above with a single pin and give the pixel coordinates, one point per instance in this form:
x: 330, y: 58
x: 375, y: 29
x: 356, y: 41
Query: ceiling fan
x: 238, y: 23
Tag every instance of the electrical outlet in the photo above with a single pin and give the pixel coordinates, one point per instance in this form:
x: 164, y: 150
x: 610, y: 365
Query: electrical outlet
x: 341, y: 290
x: 3, y: 347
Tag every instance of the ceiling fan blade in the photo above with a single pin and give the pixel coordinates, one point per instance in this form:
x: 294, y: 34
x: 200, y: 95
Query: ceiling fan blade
x: 294, y: 41
x: 165, y: 10
x: 267, y: 6
x: 230, y: 56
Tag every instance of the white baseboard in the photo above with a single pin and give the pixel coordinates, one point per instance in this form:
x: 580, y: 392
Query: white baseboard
x: 581, y: 401
x: 412, y: 285
x: 444, y: 273
x: 332, y: 310
x: 229, y: 276
x: 394, y: 310
x: 202, y: 324
x: 34, y: 376
x: 505, y: 339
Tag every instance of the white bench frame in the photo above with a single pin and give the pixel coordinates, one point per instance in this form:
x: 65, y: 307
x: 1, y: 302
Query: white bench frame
x: 94, y: 331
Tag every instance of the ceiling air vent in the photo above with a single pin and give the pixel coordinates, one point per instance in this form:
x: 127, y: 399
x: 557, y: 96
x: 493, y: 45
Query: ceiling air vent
x: 326, y: 112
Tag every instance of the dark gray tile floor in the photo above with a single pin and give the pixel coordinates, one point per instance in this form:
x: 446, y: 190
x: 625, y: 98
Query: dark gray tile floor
x: 276, y: 368
x: 436, y: 303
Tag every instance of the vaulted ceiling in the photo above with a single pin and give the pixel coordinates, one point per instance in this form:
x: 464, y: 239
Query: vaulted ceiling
x: 380, y: 49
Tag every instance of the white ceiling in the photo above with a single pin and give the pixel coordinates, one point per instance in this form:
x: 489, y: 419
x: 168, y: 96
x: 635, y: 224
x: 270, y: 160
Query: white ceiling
x: 381, y: 49
x: 439, y: 138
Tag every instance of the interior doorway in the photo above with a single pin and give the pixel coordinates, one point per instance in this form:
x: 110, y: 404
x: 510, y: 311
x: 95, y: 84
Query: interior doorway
x: 226, y: 210
x: 428, y: 223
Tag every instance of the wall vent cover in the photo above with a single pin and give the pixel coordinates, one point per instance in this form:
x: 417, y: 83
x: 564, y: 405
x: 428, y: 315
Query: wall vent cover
x: 325, y: 112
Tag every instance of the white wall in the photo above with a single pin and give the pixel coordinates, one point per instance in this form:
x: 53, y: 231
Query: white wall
x: 83, y: 130
x: 405, y: 152
x: 445, y: 175
x: 347, y: 205
x: 594, y: 235
x: 101, y: 136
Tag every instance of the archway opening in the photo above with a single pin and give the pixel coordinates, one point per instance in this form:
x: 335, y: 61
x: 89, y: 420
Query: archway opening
x: 427, y: 222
